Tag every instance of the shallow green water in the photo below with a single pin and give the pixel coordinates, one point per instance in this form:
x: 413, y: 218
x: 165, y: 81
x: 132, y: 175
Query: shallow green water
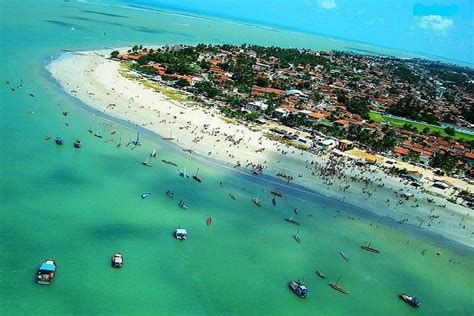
x: 80, y: 206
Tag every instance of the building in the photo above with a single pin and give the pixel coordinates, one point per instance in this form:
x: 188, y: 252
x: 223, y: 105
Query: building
x: 345, y: 144
x: 256, y: 106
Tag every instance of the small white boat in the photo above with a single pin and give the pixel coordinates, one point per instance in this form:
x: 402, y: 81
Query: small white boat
x: 145, y: 195
x: 146, y: 163
x: 181, y: 234
x: 117, y: 260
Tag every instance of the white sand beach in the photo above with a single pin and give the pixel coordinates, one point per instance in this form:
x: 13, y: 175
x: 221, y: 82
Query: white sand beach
x: 96, y: 81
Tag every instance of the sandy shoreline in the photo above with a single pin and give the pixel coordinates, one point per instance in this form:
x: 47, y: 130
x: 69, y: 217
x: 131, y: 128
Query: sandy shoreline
x: 96, y: 81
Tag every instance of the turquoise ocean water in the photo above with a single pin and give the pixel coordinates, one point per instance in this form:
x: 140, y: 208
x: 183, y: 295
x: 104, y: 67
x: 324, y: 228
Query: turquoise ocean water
x: 80, y: 206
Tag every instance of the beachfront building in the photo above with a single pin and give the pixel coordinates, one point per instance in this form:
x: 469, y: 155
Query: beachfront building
x: 327, y: 144
x: 345, y: 144
x: 414, y: 175
x: 256, y: 106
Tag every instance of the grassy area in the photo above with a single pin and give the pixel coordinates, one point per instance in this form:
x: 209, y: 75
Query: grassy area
x: 420, y: 126
x: 171, y: 93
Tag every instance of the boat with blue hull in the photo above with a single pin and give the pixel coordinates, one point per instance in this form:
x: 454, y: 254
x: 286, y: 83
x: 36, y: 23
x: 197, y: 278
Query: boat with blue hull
x: 410, y: 300
x: 299, y: 288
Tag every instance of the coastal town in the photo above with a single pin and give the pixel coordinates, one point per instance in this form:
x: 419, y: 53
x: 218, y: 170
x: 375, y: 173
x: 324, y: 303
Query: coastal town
x: 414, y: 111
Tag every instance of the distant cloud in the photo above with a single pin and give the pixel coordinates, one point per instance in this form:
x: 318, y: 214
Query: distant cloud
x: 435, y: 23
x: 327, y: 4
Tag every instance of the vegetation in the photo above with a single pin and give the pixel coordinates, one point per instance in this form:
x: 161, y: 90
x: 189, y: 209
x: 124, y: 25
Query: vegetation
x: 411, y: 108
x: 359, y: 106
x: 114, y: 54
x: 445, y: 162
x: 420, y: 127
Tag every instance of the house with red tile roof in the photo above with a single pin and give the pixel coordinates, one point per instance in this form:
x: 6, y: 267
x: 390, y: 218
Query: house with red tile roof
x: 401, y: 151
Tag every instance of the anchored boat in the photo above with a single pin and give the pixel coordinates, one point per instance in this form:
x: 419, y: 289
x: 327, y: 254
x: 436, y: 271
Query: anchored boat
x: 299, y: 288
x: 195, y: 177
x: 59, y: 140
x: 291, y: 220
x: 137, y: 142
x: 77, y: 144
x: 337, y: 287
x: 256, y: 201
x: 369, y: 248
x: 277, y: 192
x: 117, y: 260
x: 183, y: 205
x: 145, y: 195
x: 146, y: 163
x: 181, y: 234
x: 345, y: 256
x: 46, y: 272
x: 320, y: 274
x: 296, y: 236
x: 183, y: 173
x: 411, y: 300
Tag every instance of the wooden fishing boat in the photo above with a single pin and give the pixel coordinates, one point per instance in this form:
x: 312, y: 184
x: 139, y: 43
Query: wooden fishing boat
x: 183, y: 205
x: 46, y: 272
x: 168, y: 138
x: 195, y: 177
x: 299, y: 288
x: 170, y: 194
x: 344, y: 256
x: 277, y: 192
x: 337, y: 287
x: 411, y: 300
x: 137, y: 142
x: 183, y: 173
x: 209, y: 221
x: 291, y: 220
x: 285, y: 176
x: 320, y: 274
x: 169, y: 162
x: 296, y: 236
x: 369, y: 248
x: 256, y: 201
x: 146, y: 163
x: 96, y: 134
x: 117, y: 260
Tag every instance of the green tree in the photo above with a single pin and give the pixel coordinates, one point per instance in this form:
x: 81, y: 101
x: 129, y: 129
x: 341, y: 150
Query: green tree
x: 359, y: 106
x: 114, y: 54
x: 450, y: 131
x: 444, y: 161
x: 182, y: 82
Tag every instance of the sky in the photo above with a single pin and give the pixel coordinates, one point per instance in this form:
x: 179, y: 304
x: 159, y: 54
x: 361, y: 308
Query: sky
x: 439, y: 28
